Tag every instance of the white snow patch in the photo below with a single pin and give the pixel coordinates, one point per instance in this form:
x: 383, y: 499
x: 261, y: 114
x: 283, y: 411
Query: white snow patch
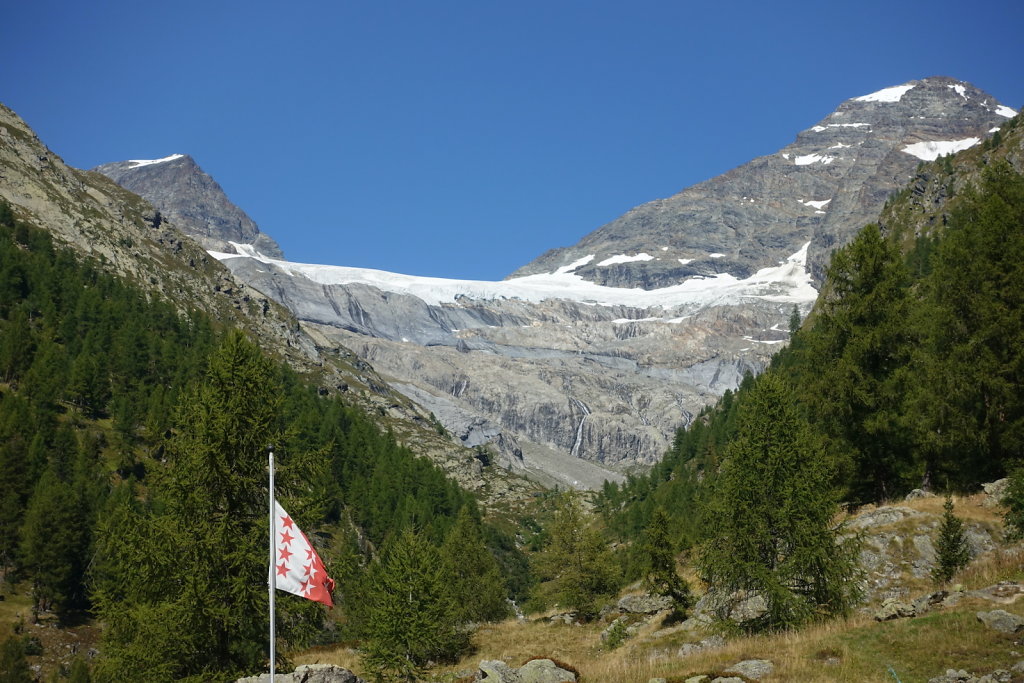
x: 819, y: 212
x: 139, y: 163
x: 893, y: 94
x: 840, y: 146
x: 622, y: 258
x: 578, y: 263
x: 664, y: 248
x: 959, y: 90
x: 818, y: 129
x: 994, y: 130
x: 1003, y: 110
x: 808, y: 159
x: 786, y: 157
x: 816, y: 203
x: 787, y: 283
x: 931, y: 150
x: 626, y: 321
x: 716, y: 255
x: 686, y: 261
x: 759, y: 341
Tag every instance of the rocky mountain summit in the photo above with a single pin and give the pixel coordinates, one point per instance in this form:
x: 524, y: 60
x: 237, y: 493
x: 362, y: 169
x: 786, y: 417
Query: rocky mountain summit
x: 584, y: 364
x: 831, y: 181
x: 196, y: 204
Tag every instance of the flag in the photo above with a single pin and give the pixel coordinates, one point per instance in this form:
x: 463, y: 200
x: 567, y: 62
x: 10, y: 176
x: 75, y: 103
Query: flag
x: 298, y: 569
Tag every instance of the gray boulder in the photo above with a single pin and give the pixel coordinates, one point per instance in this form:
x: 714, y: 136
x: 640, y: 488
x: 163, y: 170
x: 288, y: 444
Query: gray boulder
x: 1002, y: 621
x: 894, y: 608
x: 308, y: 673
x: 754, y: 669
x: 995, y: 491
x: 497, y: 671
x: 644, y: 604
x: 953, y: 676
x: 918, y: 493
x: 544, y: 671
x: 534, y: 671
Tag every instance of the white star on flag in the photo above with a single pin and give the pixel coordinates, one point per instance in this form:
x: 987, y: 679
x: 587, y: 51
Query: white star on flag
x: 298, y: 569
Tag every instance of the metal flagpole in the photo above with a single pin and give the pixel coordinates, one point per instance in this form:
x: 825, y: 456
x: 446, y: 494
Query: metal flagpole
x: 273, y: 562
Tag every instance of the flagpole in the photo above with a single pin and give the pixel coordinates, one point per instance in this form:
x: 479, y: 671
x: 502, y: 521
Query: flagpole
x: 273, y: 562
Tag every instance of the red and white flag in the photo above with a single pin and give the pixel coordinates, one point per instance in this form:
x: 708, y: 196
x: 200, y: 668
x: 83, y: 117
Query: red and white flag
x: 298, y: 569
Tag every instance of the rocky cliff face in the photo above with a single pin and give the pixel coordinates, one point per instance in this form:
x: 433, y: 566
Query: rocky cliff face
x: 193, y: 201
x: 570, y: 373
x: 831, y: 181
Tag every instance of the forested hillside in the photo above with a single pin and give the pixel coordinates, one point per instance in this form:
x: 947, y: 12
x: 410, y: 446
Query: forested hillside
x: 133, y: 474
x: 908, y: 370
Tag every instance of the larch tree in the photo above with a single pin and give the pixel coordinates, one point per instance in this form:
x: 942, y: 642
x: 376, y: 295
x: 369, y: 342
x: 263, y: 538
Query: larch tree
x: 771, y: 529
x: 477, y: 583
x: 411, y: 613
x: 575, y: 566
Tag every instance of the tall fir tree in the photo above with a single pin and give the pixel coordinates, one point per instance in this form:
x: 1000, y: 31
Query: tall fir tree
x: 770, y: 519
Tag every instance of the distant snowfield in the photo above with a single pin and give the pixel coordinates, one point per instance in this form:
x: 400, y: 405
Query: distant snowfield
x: 622, y: 258
x: 788, y: 282
x: 933, y: 149
x: 136, y: 163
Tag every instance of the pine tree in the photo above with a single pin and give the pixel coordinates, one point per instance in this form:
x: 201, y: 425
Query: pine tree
x: 770, y: 528
x: 951, y: 551
x: 575, y: 565
x: 411, y: 612
x: 477, y: 584
x: 661, y: 576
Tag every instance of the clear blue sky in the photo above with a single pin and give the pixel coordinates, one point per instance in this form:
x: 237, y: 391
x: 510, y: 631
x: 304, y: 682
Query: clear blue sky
x: 463, y: 139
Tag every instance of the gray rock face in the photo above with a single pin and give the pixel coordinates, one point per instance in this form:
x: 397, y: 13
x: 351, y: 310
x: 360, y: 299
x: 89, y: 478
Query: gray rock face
x: 831, y: 181
x: 568, y: 389
x: 194, y: 201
